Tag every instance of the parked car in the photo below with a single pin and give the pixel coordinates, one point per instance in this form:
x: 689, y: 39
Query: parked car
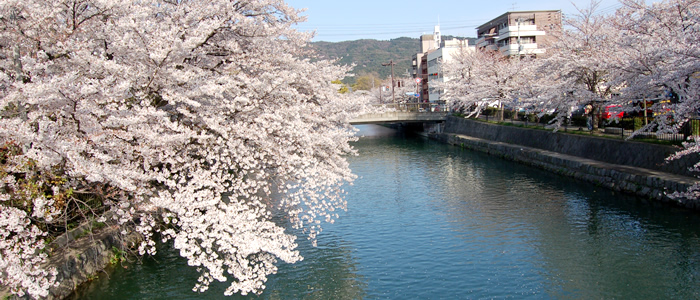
x: 613, y: 111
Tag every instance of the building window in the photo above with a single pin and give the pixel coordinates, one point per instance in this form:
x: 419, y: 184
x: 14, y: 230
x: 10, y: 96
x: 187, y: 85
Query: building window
x: 432, y: 63
x: 527, y: 40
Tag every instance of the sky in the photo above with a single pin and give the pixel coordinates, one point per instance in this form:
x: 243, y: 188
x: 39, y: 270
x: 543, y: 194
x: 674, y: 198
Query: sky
x: 336, y: 21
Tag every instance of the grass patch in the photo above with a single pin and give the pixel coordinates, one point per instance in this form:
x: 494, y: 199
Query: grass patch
x: 118, y: 256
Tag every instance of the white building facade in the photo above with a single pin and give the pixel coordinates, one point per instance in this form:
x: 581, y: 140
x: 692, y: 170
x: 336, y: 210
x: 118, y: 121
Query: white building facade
x: 435, y: 60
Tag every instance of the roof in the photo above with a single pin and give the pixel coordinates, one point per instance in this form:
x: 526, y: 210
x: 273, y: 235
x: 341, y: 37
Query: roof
x: 488, y: 24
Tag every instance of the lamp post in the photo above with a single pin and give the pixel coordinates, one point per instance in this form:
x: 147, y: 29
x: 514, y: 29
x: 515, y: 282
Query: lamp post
x: 391, y: 63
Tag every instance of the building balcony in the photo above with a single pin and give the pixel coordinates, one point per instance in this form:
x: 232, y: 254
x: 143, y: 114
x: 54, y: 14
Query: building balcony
x: 527, y: 49
x: 484, y: 41
x: 515, y: 29
x: 509, y: 34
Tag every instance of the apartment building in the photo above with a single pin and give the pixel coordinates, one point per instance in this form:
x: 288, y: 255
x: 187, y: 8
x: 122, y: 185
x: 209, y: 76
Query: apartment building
x: 427, y: 64
x: 429, y: 43
x: 434, y: 65
x: 519, y: 32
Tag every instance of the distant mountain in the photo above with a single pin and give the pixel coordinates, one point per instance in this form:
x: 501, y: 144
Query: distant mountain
x: 369, y: 55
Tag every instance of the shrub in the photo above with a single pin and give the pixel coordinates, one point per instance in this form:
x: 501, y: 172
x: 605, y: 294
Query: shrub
x: 489, y: 111
x: 579, y: 121
x: 508, y: 114
x: 632, y: 123
x: 545, y: 119
x: 694, y: 127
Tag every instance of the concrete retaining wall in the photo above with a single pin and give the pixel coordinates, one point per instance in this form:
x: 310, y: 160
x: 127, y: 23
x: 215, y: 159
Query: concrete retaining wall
x: 629, y: 153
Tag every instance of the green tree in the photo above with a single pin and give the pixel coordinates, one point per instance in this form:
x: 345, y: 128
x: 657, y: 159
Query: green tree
x: 343, y: 87
x: 367, y: 82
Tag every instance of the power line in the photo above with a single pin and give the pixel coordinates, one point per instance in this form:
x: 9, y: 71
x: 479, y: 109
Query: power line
x: 412, y: 24
x: 355, y: 33
x: 406, y: 29
x: 608, y: 9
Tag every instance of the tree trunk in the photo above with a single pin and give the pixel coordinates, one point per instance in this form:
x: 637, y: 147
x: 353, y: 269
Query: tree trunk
x: 595, y: 116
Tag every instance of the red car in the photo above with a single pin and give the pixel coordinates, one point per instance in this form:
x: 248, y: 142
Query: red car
x: 613, y: 111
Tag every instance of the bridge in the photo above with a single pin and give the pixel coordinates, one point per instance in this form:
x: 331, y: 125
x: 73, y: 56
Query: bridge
x: 405, y: 113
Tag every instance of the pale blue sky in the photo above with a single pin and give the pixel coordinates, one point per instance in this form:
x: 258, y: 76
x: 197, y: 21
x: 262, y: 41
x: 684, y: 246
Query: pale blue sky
x: 383, y: 20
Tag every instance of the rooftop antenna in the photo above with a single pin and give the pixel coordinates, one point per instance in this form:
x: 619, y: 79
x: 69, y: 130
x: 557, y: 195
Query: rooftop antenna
x: 514, y: 6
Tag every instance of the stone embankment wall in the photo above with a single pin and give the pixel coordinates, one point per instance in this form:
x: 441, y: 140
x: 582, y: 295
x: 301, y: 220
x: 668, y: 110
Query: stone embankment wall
x: 83, y: 259
x: 631, y: 167
x: 79, y: 257
x: 621, y: 152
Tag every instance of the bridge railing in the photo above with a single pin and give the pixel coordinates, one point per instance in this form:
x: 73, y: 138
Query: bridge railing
x: 402, y: 113
x: 415, y: 107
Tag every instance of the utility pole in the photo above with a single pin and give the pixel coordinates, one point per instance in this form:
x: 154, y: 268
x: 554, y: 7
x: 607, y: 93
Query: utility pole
x: 391, y: 63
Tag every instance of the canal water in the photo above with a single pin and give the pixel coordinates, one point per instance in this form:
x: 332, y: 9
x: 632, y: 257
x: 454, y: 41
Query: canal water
x: 432, y: 221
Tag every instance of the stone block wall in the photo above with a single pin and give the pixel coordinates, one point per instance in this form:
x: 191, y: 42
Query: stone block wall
x: 621, y: 152
x: 78, y: 259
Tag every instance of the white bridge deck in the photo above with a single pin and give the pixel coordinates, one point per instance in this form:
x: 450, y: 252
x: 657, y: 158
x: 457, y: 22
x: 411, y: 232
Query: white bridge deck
x: 405, y: 113
x: 399, y: 117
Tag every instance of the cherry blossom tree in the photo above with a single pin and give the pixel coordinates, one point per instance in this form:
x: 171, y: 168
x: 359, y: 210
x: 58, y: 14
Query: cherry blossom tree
x: 574, y: 70
x: 462, y: 70
x: 402, y: 87
x: 198, y: 121
x: 577, y: 69
x: 478, y: 78
x: 660, y: 57
x: 379, y: 95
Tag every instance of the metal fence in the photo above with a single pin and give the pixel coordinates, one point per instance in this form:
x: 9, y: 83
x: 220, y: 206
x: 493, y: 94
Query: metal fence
x: 416, y: 107
x: 627, y: 126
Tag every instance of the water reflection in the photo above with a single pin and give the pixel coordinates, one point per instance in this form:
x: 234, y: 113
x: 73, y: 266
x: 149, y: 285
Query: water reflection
x: 328, y: 272
x: 512, y: 231
x: 426, y: 221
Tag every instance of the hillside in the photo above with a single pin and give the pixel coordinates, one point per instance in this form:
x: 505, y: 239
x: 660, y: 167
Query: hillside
x: 369, y: 55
